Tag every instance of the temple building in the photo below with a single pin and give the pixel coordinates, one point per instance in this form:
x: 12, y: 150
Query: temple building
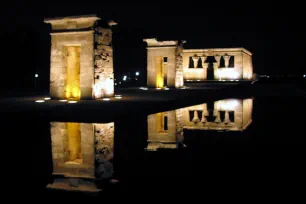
x: 166, y: 129
x: 81, y: 61
x: 82, y: 155
x: 169, y: 65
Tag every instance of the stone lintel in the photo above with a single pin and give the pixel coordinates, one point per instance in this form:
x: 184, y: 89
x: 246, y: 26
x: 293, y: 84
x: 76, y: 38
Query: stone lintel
x: 212, y: 50
x: 153, y: 42
x: 72, y: 32
x: 72, y: 22
x: 152, y: 48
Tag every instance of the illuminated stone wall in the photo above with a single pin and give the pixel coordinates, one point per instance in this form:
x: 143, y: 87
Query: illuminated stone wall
x: 95, y: 58
x: 164, y: 64
x: 104, y: 69
x: 241, y: 68
x: 247, y: 66
x: 193, y: 64
x: 97, y: 143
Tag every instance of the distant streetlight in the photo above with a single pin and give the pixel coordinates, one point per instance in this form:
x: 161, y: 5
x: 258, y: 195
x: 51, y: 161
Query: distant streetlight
x: 304, y: 75
x: 124, y: 78
x: 36, y: 76
x: 137, y: 73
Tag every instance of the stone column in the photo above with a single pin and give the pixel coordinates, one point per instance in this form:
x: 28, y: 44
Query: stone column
x: 226, y: 118
x: 195, y: 60
x: 203, y: 58
x: 218, y: 118
x: 203, y: 119
x: 196, y: 117
x: 226, y: 59
x: 217, y: 64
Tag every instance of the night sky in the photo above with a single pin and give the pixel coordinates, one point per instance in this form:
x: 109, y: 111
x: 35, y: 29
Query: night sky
x: 273, y: 33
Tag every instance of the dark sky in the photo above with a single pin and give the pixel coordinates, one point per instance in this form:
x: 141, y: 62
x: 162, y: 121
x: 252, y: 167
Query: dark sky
x: 273, y: 33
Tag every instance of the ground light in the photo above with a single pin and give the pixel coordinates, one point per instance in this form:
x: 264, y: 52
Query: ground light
x: 48, y: 98
x: 72, y: 101
x: 39, y: 101
x: 106, y: 99
x: 62, y: 100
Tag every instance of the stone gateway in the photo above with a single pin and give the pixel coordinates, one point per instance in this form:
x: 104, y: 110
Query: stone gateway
x: 81, y: 58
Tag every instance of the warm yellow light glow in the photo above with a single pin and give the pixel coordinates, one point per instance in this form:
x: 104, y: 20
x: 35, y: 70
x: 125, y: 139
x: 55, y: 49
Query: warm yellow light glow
x: 106, y: 99
x: 159, y: 72
x: 109, y: 88
x: 229, y: 104
x: 74, y: 143
x: 118, y: 97
x: 39, y: 101
x: 72, y: 101
x: 73, y: 72
x: 160, y: 122
x: 227, y: 73
x: 62, y: 100
x: 158, y: 88
x: 98, y: 92
x: 47, y: 98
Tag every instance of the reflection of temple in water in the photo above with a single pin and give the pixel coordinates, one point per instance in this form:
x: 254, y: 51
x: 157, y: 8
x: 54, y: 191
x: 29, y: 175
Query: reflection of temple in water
x: 82, y: 155
x: 165, y: 130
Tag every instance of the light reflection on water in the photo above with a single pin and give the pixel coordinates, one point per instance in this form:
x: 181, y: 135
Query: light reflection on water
x: 83, y: 153
x: 166, y: 129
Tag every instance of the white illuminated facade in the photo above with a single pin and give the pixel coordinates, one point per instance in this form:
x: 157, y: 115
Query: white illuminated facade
x: 217, y: 64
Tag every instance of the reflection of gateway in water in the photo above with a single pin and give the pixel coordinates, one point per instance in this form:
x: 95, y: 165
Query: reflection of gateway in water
x: 82, y: 155
x: 165, y: 130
